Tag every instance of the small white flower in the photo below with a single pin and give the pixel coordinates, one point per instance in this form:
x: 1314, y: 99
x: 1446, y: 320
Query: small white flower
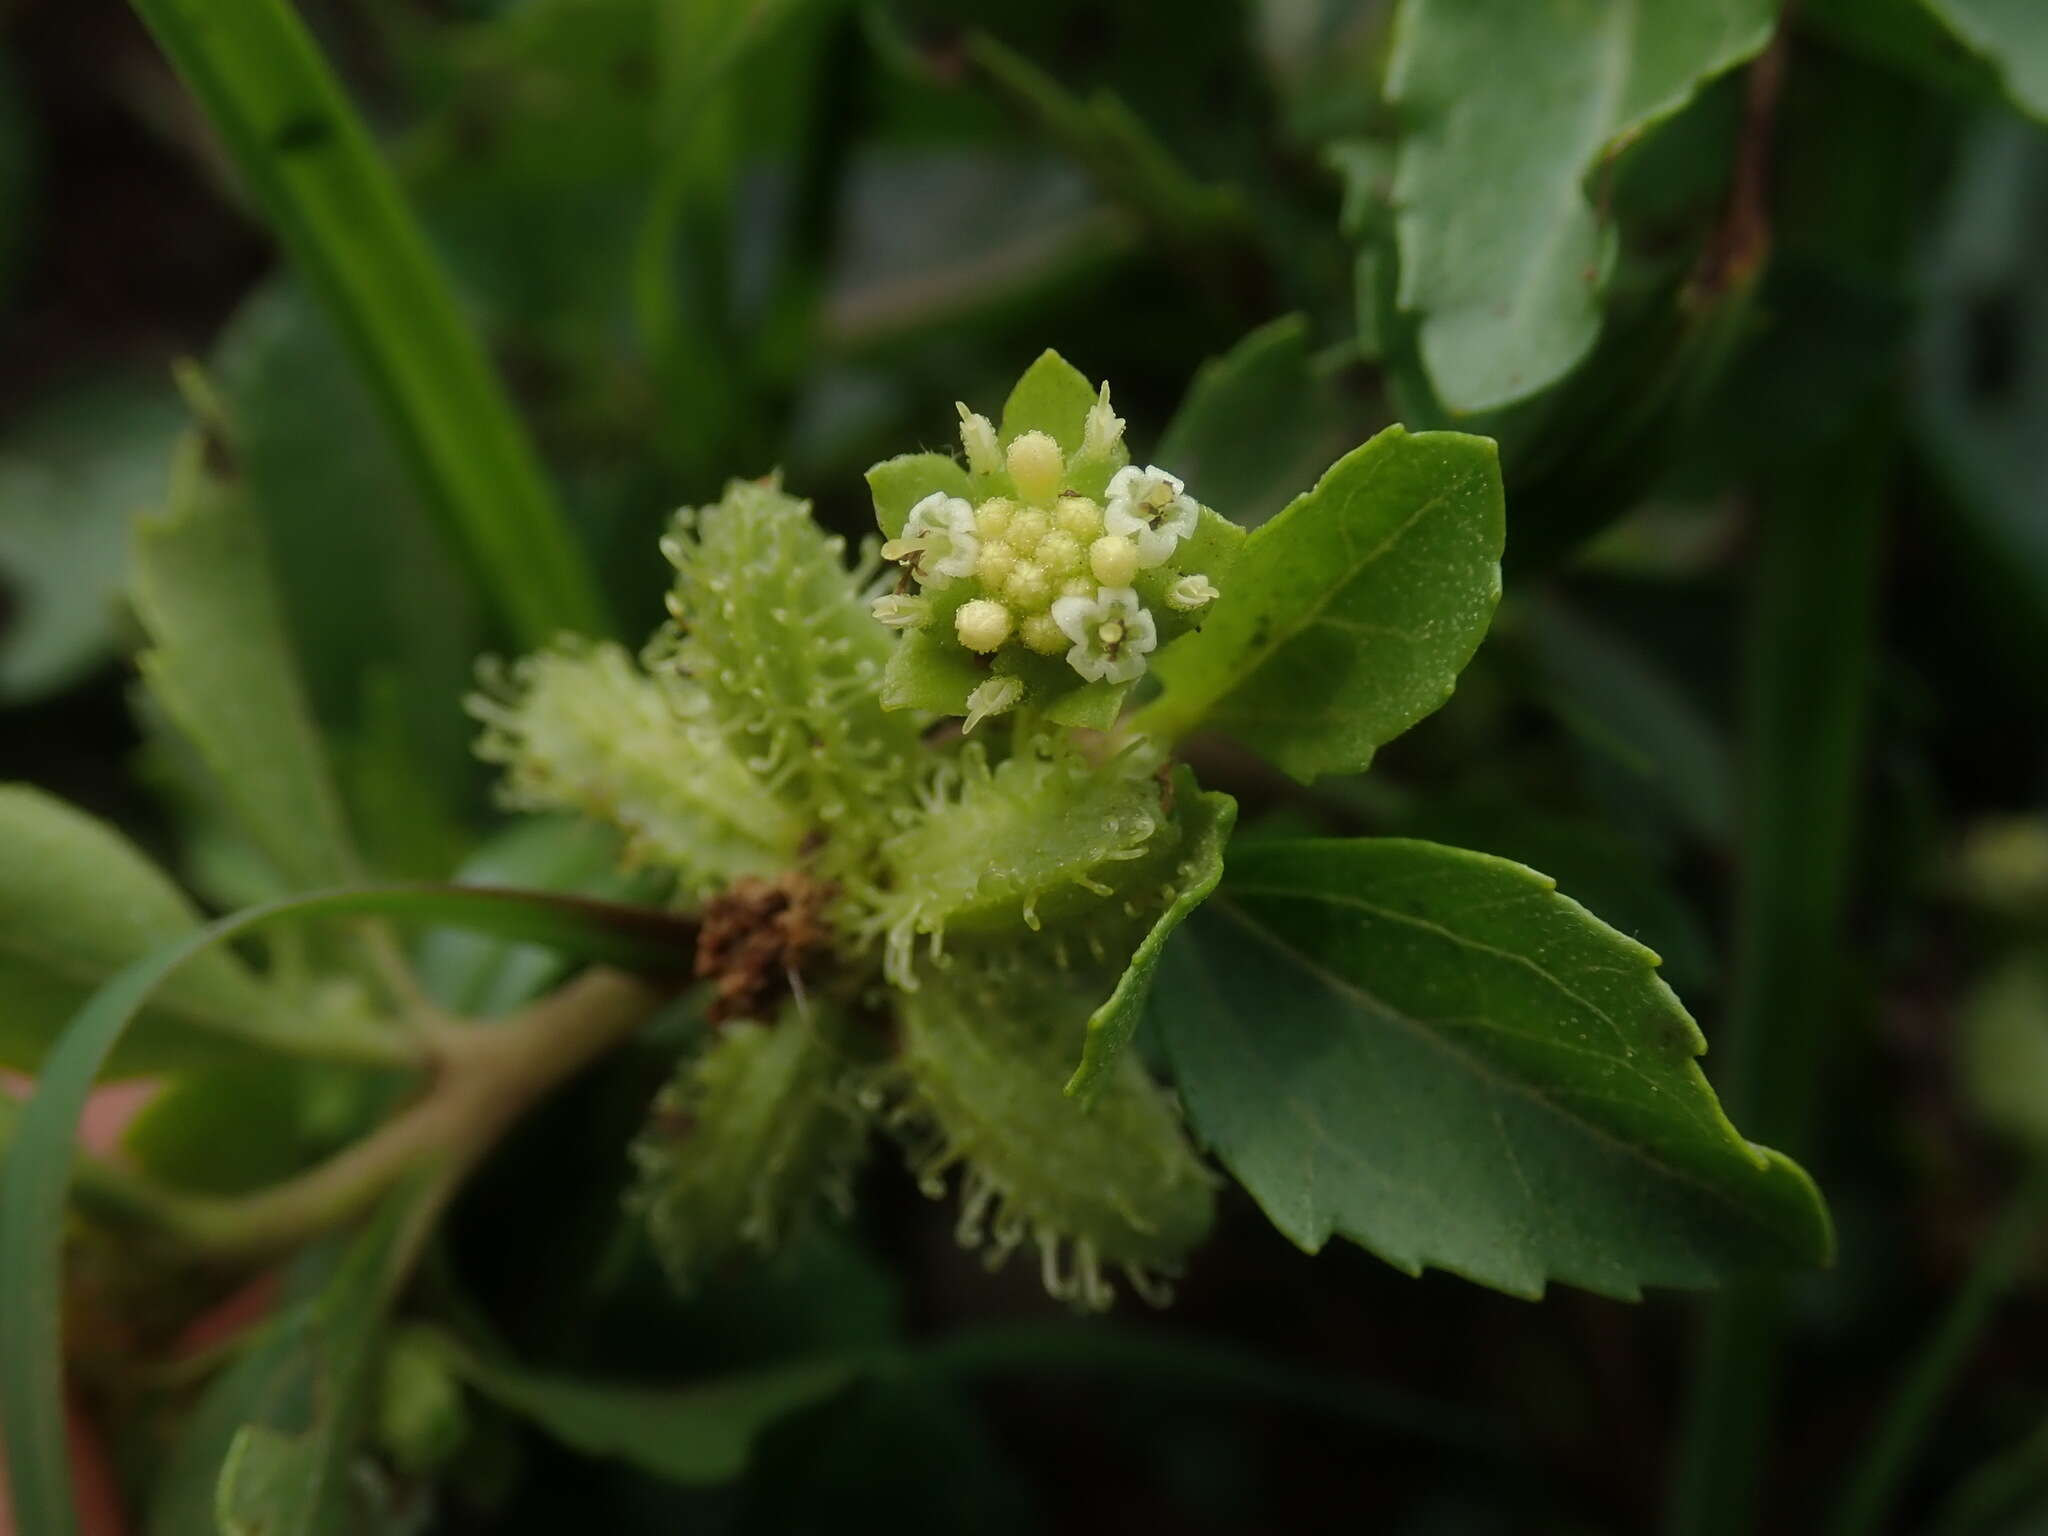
x: 1104, y: 428
x: 994, y: 696
x: 1111, y: 632
x: 1191, y: 592
x: 938, y: 540
x: 978, y: 437
x: 1151, y: 507
x: 899, y: 611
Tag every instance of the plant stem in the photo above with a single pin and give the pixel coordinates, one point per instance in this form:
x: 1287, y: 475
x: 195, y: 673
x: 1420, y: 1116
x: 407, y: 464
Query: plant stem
x: 486, y: 1076
x: 338, y: 211
x: 1809, y: 663
x: 1888, y: 1454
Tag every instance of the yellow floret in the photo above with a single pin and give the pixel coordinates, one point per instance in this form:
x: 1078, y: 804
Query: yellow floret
x: 983, y: 626
x: 1114, y: 560
x: 1043, y: 635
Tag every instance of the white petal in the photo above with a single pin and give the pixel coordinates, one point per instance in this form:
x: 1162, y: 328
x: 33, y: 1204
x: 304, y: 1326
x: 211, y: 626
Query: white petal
x: 1077, y: 617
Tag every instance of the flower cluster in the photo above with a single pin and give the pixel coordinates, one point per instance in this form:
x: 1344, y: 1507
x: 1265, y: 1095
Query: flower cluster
x: 1044, y: 566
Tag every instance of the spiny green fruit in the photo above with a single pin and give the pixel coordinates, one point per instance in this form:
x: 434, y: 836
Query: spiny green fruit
x: 772, y: 626
x: 979, y: 1085
x: 747, y: 1141
x: 580, y: 728
x: 1045, y: 838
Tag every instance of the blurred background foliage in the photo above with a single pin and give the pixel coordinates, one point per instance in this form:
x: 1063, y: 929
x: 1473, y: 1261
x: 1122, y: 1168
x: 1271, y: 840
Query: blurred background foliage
x: 1769, y: 369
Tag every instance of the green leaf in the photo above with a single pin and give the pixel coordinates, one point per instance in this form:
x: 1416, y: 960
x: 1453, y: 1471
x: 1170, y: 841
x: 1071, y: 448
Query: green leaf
x: 1502, y: 255
x: 695, y: 1435
x: 292, y: 134
x: 1258, y: 425
x: 2010, y: 35
x: 221, y: 667
x: 1349, y: 616
x: 268, y: 1450
x: 78, y: 902
x: 1205, y: 831
x: 386, y: 654
x: 900, y: 483
x: 1052, y: 397
x: 1433, y: 1053
x: 41, y: 1157
x: 73, y: 473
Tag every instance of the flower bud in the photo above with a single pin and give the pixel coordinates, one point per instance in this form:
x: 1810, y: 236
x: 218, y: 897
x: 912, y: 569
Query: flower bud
x: 982, y: 625
x: 1191, y: 592
x: 899, y: 611
x: 1114, y: 560
x: 1037, y: 467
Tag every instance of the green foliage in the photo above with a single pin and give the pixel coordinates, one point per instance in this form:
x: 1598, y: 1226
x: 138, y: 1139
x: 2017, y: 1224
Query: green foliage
x: 1206, y: 828
x: 270, y: 1447
x: 1472, y: 1072
x: 702, y: 1433
x: 220, y: 665
x: 332, y: 201
x: 2012, y: 36
x: 1503, y: 258
x: 1259, y: 424
x: 1352, y: 612
x: 77, y: 903
x: 73, y: 474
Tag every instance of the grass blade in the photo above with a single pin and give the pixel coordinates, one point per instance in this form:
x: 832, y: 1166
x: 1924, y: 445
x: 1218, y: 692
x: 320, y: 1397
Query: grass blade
x: 337, y: 209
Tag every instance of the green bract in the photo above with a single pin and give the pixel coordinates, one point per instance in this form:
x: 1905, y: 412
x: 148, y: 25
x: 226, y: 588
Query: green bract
x: 955, y: 936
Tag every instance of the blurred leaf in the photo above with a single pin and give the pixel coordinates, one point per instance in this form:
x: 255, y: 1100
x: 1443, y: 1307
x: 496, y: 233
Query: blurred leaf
x: 480, y: 977
x: 702, y: 1433
x: 221, y: 664
x: 74, y: 472
x: 1348, y: 617
x: 1908, y: 36
x: 1205, y: 830
x: 1108, y: 139
x: 77, y: 903
x: 38, y: 1170
x: 1503, y: 255
x: 2004, y: 1058
x: 2012, y: 35
x: 293, y: 135
x: 387, y: 650
x: 1980, y: 384
x: 1470, y: 1071
x: 268, y: 1450
x: 223, y: 1130
x: 1634, y: 720
x: 1258, y: 425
